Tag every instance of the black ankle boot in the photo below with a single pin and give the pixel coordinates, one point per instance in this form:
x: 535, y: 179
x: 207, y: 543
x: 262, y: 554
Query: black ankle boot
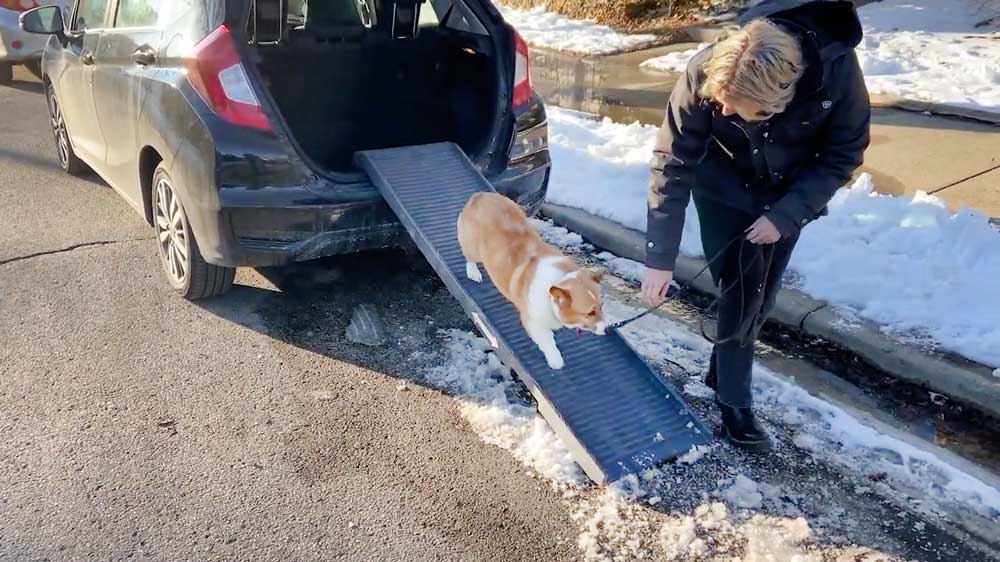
x: 742, y: 430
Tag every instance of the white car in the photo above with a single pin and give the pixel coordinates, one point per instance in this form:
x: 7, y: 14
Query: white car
x: 16, y: 46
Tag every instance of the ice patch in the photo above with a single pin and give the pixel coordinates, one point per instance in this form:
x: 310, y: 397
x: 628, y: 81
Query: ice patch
x: 625, y: 268
x: 559, y: 236
x: 550, y: 30
x: 744, y: 493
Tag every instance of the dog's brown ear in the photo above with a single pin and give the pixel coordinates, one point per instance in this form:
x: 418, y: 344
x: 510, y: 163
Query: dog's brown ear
x: 596, y: 274
x: 560, y: 296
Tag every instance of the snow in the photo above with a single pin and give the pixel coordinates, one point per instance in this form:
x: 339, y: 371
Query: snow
x: 924, y: 50
x: 744, y: 493
x: 740, y: 517
x: 696, y: 453
x: 549, y: 30
x: 904, y: 262
x: 929, y: 50
x: 709, y: 532
x: 672, y: 62
x: 824, y: 430
x: 996, y: 373
x: 485, y: 390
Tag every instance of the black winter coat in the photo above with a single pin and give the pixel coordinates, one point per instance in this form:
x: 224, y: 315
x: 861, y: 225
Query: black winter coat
x: 786, y: 168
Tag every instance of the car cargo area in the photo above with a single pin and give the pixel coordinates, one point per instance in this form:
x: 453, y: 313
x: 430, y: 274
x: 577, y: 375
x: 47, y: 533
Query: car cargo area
x: 350, y: 75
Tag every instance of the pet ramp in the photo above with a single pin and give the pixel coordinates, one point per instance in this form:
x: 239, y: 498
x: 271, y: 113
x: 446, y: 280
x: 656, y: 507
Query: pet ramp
x: 616, y: 415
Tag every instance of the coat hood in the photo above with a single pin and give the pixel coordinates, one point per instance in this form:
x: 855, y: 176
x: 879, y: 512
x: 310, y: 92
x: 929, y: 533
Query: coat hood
x: 828, y: 30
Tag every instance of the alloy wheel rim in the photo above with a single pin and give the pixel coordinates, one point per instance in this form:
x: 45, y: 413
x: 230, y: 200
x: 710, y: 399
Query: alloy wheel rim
x: 59, y: 129
x: 171, y: 232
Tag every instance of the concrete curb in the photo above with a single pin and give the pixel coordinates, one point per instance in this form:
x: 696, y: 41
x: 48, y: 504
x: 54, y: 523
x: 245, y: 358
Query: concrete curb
x: 956, y: 377
x: 889, y: 101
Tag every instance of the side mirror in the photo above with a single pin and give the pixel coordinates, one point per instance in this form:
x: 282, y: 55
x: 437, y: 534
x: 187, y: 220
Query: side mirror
x: 47, y: 20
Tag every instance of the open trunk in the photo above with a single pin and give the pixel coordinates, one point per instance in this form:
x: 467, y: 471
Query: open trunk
x: 345, y: 79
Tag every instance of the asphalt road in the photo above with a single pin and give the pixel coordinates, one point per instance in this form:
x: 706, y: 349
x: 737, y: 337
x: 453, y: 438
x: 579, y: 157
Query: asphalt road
x: 137, y: 425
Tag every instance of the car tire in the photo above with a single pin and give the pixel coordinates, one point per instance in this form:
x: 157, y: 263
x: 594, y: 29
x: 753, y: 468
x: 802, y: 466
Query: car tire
x: 68, y: 160
x: 34, y: 67
x: 6, y: 73
x: 188, y: 273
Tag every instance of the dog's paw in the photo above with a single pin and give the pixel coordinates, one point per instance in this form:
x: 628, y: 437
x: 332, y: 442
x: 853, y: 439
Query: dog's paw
x: 601, y: 328
x: 555, y: 361
x: 472, y: 272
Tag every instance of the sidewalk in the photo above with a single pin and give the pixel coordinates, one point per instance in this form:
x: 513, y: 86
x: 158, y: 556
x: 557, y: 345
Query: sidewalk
x: 910, y: 151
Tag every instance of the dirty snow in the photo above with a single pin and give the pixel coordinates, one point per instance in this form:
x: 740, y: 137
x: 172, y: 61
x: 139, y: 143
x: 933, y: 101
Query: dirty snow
x: 824, y: 430
x: 541, y: 28
x: 904, y: 262
x: 740, y: 517
x: 488, y: 401
x: 924, y: 50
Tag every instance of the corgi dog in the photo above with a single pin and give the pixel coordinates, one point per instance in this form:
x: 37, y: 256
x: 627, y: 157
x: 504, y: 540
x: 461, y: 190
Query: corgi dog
x: 549, y: 291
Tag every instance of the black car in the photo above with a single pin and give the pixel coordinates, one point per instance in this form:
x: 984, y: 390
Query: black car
x: 230, y: 125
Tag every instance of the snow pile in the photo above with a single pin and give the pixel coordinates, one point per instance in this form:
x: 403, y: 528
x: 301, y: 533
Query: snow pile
x: 925, y: 50
x: 909, y: 264
x: 711, y: 533
x: 929, y: 50
x: 550, y: 30
x: 486, y: 391
x: 613, y: 526
x: 904, y: 262
x: 673, y: 62
x: 602, y: 167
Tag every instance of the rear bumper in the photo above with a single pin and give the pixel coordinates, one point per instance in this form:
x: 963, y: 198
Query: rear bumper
x: 293, y: 224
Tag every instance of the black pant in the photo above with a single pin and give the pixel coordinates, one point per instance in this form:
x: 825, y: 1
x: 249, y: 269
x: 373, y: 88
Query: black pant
x: 749, y: 276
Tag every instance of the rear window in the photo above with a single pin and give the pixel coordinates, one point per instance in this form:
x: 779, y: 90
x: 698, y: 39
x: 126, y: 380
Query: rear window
x: 452, y: 14
x: 271, y: 19
x: 152, y: 13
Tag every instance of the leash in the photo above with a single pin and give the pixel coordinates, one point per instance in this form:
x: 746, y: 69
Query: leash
x: 672, y: 291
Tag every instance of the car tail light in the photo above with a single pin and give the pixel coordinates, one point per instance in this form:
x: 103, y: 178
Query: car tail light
x: 215, y: 71
x: 18, y: 5
x: 522, y: 72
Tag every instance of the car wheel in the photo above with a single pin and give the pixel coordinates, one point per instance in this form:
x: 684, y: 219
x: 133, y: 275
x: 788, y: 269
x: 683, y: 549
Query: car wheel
x: 64, y: 149
x: 189, y: 274
x: 6, y: 73
x: 34, y: 67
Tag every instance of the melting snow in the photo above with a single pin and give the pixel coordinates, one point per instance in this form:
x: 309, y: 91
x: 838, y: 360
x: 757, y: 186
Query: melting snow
x: 550, y: 30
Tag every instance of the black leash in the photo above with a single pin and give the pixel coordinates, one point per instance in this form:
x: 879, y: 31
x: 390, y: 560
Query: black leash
x: 672, y: 292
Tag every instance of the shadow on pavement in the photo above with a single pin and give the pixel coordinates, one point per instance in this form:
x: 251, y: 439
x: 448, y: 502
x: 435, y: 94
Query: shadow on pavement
x: 309, y: 306
x: 23, y: 86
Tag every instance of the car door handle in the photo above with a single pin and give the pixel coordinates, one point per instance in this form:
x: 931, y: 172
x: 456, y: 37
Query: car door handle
x: 87, y: 57
x: 144, y: 56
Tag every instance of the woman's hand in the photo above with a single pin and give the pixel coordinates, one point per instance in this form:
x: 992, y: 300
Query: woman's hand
x: 763, y: 231
x: 655, y: 283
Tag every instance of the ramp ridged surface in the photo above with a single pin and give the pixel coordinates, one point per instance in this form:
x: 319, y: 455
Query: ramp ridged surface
x: 616, y: 415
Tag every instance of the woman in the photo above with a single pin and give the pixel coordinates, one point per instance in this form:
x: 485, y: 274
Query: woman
x: 761, y: 131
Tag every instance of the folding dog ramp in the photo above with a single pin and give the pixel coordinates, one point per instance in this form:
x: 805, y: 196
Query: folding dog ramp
x: 615, y: 414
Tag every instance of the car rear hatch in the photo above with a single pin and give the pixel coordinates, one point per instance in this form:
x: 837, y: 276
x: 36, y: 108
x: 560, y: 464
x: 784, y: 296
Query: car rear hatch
x: 341, y: 76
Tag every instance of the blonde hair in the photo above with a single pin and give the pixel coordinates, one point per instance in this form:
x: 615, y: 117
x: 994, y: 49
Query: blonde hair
x: 761, y: 62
